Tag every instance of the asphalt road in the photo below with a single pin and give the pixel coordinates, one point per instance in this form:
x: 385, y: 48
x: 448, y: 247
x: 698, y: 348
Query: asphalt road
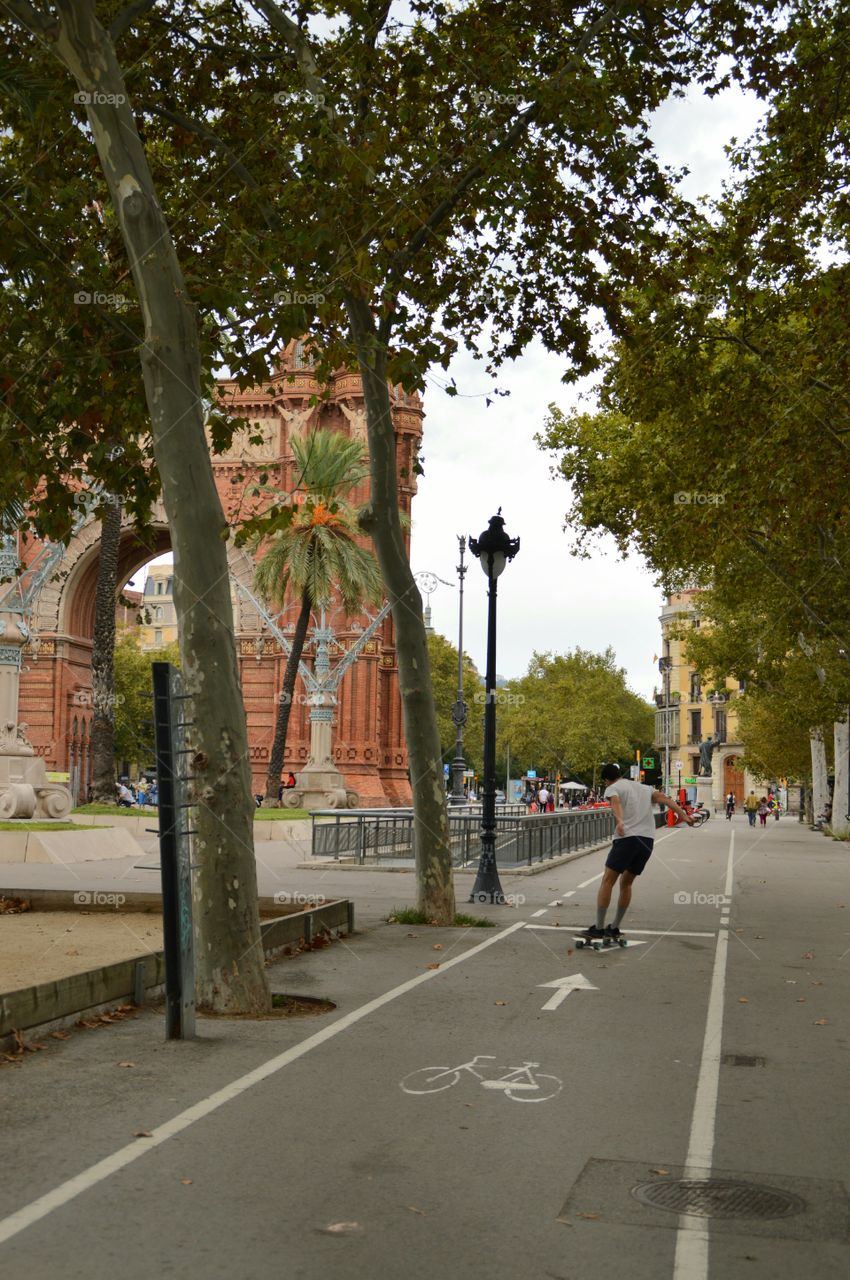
x: 715, y: 1045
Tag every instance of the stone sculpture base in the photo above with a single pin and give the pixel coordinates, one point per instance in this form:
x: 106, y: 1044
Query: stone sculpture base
x: 25, y: 791
x: 320, y: 787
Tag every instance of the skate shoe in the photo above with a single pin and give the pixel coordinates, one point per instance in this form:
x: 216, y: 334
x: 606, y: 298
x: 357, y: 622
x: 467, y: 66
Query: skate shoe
x: 611, y: 931
x: 593, y: 934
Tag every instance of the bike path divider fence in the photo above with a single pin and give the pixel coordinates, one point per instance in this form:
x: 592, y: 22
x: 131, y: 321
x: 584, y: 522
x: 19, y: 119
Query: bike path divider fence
x: 49, y: 1006
x: 384, y: 838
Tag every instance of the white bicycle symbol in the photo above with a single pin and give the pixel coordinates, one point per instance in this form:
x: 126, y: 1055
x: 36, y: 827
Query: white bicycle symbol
x: 520, y: 1084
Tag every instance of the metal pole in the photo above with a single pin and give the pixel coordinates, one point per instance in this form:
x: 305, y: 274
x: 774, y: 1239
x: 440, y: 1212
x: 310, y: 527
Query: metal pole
x: 174, y: 863
x: 487, y: 883
x: 459, y: 710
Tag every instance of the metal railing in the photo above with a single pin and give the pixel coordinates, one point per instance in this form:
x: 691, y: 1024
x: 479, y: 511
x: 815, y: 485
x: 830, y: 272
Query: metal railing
x: 382, y: 836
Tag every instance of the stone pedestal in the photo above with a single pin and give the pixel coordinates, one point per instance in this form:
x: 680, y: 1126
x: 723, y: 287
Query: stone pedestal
x: 320, y: 785
x: 705, y: 792
x: 25, y: 791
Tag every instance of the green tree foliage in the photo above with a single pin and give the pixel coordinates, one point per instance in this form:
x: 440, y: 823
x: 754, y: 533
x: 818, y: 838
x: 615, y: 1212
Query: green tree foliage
x: 133, y: 703
x: 443, y: 657
x: 573, y: 712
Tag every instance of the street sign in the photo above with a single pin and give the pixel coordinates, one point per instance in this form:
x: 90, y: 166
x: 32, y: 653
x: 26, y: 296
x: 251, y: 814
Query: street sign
x: 678, y: 766
x: 690, y: 782
x: 634, y: 770
x: 531, y: 773
x: 446, y: 770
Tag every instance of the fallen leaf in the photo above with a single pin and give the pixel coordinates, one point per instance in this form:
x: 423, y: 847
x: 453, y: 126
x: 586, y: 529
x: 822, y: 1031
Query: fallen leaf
x: 819, y: 983
x: 792, y: 982
x: 125, y: 1064
x: 432, y: 966
x: 557, y: 924
x: 186, y: 1182
x: 801, y: 999
x: 808, y: 955
x: 413, y: 1209
x: 343, y: 1228
x: 760, y: 937
x: 143, y: 1133
x: 664, y: 1173
x: 593, y: 1216
x: 413, y: 935
x: 59, y: 1035
x: 571, y: 951
x: 743, y: 999
x: 501, y: 1002
x: 438, y: 946
x: 821, y: 1022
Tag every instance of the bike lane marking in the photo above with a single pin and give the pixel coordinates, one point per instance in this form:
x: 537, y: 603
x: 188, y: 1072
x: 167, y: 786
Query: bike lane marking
x: 37, y: 1209
x: 692, y: 1237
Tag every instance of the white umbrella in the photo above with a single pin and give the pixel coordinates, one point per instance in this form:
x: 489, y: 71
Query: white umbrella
x: 573, y: 786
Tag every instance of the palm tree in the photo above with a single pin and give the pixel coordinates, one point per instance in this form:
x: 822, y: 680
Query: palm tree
x: 315, y: 554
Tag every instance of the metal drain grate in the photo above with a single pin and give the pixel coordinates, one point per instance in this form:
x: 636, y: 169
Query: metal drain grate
x: 718, y: 1198
x: 743, y: 1060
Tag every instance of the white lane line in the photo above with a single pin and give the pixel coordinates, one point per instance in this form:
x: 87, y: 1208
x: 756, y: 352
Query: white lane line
x: 646, y: 933
x: 535, y: 914
x: 692, y: 1237
x: 103, y: 1169
x: 590, y: 881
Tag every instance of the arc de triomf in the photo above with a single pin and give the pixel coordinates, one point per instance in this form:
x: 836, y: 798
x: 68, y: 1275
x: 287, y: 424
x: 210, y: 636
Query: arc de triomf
x: 369, y: 747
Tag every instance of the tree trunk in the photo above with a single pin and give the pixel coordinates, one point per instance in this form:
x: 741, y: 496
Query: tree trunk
x: 820, y: 786
x: 839, y: 825
x: 103, y: 659
x: 271, y: 800
x: 382, y: 523
x: 230, y: 971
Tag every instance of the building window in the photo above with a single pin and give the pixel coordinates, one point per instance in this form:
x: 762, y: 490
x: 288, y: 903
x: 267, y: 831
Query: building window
x: 157, y: 638
x: 720, y: 725
x: 696, y: 727
x: 696, y: 686
x: 159, y: 587
x: 159, y: 613
x: 169, y: 588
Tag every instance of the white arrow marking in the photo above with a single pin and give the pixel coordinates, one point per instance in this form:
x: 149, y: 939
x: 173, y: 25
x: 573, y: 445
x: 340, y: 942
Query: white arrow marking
x: 563, y: 986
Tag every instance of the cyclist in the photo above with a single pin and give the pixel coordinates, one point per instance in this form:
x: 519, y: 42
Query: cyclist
x: 631, y: 803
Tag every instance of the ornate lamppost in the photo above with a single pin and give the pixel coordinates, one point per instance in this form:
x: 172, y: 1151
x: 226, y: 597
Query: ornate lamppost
x: 493, y: 549
x: 459, y: 710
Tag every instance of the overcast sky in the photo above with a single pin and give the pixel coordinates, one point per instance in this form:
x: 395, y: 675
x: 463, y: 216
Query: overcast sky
x: 478, y: 459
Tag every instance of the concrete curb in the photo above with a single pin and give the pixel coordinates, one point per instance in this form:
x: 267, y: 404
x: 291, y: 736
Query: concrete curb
x: 536, y: 869
x: 54, y: 1005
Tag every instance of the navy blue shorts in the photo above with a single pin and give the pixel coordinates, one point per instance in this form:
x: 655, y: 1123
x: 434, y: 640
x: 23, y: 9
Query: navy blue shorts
x: 630, y: 853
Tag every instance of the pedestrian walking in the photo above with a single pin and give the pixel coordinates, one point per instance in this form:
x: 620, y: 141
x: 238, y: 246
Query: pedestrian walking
x: 631, y: 804
x: 542, y: 800
x: 751, y: 805
x: 763, y: 811
x: 730, y: 805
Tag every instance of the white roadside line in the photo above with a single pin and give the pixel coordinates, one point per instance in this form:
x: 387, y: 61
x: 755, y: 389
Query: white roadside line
x: 692, y: 1237
x: 542, y: 912
x: 103, y: 1169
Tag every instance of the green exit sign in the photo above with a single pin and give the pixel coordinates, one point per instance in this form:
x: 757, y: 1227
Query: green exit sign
x: 648, y: 762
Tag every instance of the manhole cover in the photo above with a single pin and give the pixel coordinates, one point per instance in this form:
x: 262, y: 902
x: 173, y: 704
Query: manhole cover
x: 718, y: 1198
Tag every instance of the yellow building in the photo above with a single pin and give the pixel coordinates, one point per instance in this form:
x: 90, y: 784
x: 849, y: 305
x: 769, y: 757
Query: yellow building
x: 159, y: 618
x: 690, y: 711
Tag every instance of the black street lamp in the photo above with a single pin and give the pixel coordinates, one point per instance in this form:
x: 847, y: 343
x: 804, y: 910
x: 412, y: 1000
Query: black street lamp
x: 494, y: 549
x: 459, y: 710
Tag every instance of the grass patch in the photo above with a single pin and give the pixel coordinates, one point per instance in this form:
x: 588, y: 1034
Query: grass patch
x: 279, y: 815
x: 21, y: 824
x: 412, y: 915
x: 114, y: 811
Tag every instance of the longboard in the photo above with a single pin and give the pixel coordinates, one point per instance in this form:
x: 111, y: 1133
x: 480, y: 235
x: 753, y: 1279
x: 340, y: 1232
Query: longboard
x: 600, y: 944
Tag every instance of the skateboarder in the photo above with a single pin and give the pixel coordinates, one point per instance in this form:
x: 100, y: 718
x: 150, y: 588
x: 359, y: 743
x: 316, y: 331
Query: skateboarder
x: 631, y: 803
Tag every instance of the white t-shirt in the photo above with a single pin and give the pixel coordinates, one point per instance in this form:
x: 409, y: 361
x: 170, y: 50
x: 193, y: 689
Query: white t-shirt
x: 543, y: 795
x: 636, y: 800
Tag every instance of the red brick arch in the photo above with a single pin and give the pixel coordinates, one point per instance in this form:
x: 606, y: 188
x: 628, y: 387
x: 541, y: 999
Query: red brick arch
x: 369, y: 738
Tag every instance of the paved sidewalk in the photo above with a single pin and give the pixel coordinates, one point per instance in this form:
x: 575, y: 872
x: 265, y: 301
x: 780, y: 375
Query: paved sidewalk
x: 473, y: 1119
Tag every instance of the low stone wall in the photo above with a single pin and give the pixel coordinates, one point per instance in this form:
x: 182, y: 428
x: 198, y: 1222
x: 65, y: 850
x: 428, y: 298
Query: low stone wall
x: 67, y: 846
x: 50, y: 1004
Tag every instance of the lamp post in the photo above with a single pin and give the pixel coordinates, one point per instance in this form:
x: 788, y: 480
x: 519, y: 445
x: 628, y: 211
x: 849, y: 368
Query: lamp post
x: 459, y: 710
x: 493, y: 549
